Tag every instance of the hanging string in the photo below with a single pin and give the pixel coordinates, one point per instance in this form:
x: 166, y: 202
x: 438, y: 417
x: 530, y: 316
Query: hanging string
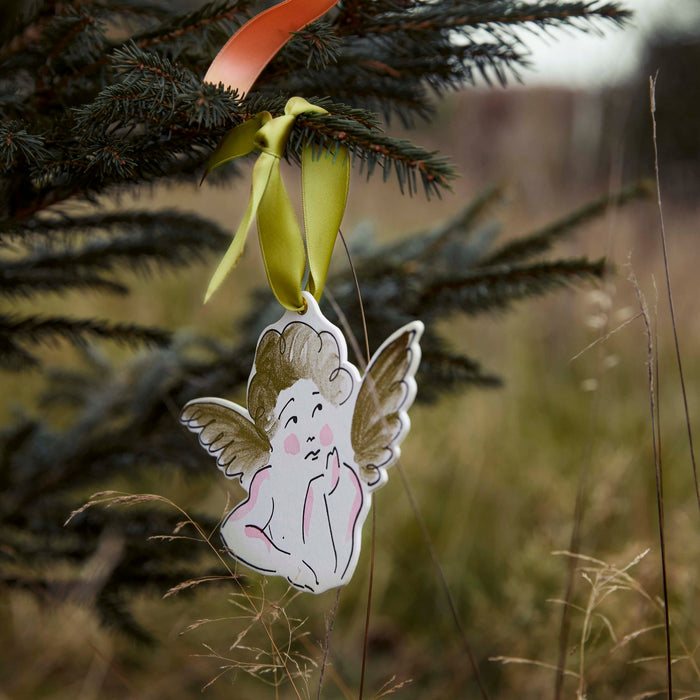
x: 363, y: 362
x: 365, y: 641
x: 412, y: 502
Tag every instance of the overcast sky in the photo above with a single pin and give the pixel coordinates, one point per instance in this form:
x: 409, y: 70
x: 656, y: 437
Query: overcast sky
x: 577, y: 59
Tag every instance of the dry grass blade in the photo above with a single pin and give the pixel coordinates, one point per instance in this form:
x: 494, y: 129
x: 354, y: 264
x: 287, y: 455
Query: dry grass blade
x: 605, y: 337
x: 365, y: 639
x: 530, y: 662
x: 277, y: 659
x: 635, y: 635
x: 111, y: 498
x: 667, y: 273
x: 656, y: 438
x: 191, y: 583
x: 391, y: 686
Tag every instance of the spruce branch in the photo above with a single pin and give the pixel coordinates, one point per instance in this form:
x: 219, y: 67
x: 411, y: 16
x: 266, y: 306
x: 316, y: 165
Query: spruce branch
x: 374, y: 150
x: 313, y: 48
x: 496, y: 288
x: 492, y: 16
x: 141, y: 241
x: 542, y: 240
x: 25, y: 279
x: 205, y: 28
x: 18, y: 332
x: 370, y: 85
x: 14, y: 357
x: 459, y: 227
x: 450, y: 372
x: 183, y: 225
x: 18, y: 146
x: 152, y: 89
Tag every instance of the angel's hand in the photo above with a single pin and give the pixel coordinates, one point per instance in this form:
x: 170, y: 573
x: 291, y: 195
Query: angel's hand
x: 332, y: 473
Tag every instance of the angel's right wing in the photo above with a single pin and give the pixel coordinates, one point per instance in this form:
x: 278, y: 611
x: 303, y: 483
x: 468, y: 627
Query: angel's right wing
x: 380, y: 421
x: 226, y: 432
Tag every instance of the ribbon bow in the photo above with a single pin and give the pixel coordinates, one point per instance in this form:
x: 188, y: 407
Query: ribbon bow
x: 325, y: 179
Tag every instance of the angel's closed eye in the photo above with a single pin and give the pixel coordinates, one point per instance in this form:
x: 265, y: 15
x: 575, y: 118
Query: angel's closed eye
x: 291, y: 419
x: 317, y: 407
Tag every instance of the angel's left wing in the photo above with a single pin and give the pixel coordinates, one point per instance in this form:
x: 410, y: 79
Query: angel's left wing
x: 226, y: 431
x: 380, y: 421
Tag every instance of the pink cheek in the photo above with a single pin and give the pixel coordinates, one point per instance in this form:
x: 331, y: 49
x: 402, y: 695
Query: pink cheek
x: 326, y: 435
x: 291, y: 445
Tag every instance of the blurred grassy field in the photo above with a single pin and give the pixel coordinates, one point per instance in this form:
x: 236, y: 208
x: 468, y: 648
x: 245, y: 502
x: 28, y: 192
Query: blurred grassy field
x: 495, y: 473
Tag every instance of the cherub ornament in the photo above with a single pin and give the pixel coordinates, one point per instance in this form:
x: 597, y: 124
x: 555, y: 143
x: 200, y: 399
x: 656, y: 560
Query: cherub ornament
x: 313, y: 444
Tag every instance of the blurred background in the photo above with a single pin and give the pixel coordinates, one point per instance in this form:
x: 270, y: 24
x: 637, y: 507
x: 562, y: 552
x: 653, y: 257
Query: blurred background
x: 496, y: 472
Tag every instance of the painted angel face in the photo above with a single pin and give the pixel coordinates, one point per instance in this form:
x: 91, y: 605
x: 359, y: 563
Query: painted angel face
x: 304, y: 431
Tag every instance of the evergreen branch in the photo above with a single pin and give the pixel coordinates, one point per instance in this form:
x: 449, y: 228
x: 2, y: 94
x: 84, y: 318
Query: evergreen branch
x: 542, y: 240
x: 495, y: 288
x: 39, y: 30
x: 65, y: 30
x: 348, y: 128
x: 354, y: 13
x: 456, y: 228
x: 202, y: 231
x: 454, y: 243
x: 115, y: 613
x: 139, y: 240
x: 77, y: 39
x: 366, y: 86
x: 19, y: 146
x: 143, y: 240
x: 501, y: 59
x: 25, y: 279
x: 21, y: 25
x: 14, y: 357
x: 35, y: 330
x: 382, y: 79
x: 151, y: 88
x: 258, y: 102
x: 442, y: 64
x: 314, y: 48
x: 373, y: 149
x: 450, y: 372
x: 112, y: 162
x: 70, y: 388
x: 135, y: 63
x: 458, y: 15
x: 214, y: 21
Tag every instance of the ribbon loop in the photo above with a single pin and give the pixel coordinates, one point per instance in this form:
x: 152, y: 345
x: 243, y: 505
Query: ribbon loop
x: 272, y: 137
x: 329, y: 172
x: 324, y: 186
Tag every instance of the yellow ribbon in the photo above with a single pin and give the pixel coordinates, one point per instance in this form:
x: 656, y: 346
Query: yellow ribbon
x: 325, y: 180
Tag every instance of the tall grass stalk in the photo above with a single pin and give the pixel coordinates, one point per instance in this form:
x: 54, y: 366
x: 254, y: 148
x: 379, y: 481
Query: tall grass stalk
x: 278, y: 657
x: 412, y: 502
x: 667, y: 275
x: 653, y: 378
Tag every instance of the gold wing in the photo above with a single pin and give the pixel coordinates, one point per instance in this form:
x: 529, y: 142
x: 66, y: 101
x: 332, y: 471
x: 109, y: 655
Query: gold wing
x: 226, y: 432
x: 380, y: 421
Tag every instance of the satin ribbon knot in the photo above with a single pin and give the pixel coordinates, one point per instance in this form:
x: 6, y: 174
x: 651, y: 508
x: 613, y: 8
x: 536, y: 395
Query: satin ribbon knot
x: 325, y: 178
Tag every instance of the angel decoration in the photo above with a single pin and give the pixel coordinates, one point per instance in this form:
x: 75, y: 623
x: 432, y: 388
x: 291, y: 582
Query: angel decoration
x: 313, y: 444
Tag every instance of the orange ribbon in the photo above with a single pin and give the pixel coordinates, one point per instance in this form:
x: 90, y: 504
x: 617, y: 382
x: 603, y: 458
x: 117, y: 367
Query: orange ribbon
x: 253, y: 46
